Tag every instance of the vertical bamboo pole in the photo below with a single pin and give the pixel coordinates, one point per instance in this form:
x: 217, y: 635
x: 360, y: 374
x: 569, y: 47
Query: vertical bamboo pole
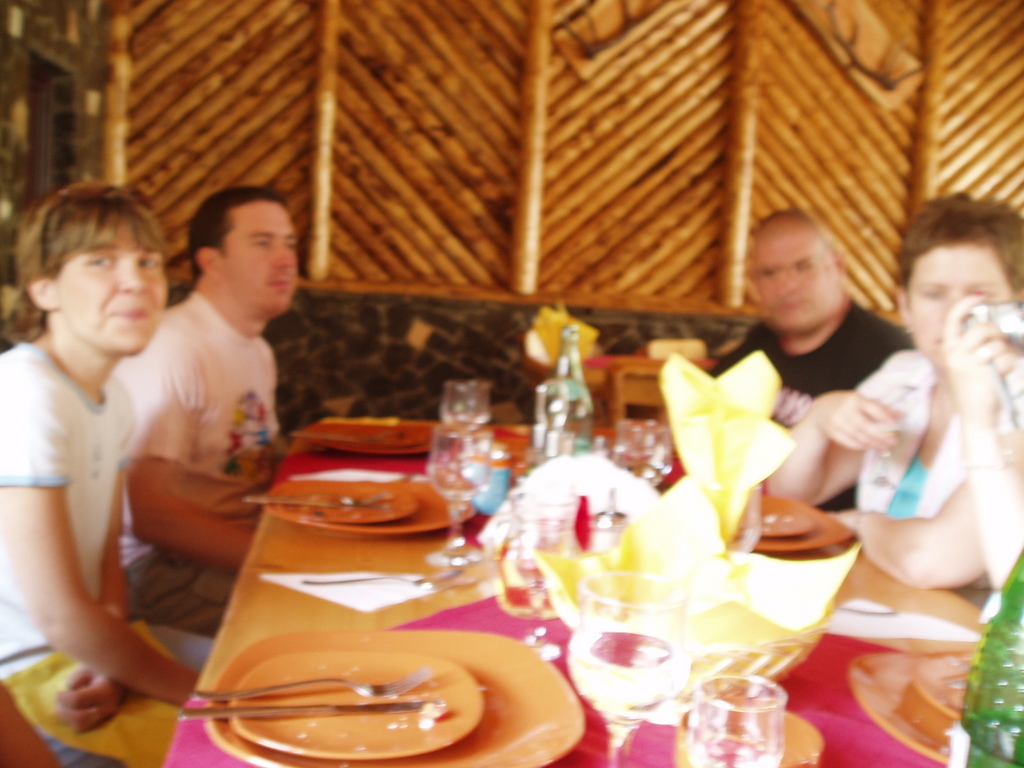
x: 119, y: 58
x: 742, y: 146
x: 924, y: 183
x: 526, y: 226
x: 323, y: 158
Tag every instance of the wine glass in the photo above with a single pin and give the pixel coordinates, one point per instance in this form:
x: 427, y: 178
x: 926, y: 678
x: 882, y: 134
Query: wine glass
x: 881, y: 478
x: 626, y: 655
x: 644, y: 447
x: 459, y: 466
x: 750, y: 526
x: 736, y: 722
x: 538, y: 524
x: 466, y: 401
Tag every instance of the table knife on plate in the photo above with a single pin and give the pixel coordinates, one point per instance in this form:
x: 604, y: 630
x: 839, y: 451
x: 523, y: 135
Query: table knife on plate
x: 223, y: 712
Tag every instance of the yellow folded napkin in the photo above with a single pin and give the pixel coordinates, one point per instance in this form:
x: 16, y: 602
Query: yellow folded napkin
x: 723, y: 429
x: 728, y: 444
x: 734, y: 598
x: 138, y: 735
x: 549, y: 323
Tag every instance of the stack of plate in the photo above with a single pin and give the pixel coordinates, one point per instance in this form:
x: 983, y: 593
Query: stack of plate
x: 502, y: 700
x: 789, y: 526
x: 916, y: 697
x: 410, y: 507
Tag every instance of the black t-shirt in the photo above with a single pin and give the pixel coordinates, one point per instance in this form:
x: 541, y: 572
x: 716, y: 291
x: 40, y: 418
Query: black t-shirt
x: 857, y: 349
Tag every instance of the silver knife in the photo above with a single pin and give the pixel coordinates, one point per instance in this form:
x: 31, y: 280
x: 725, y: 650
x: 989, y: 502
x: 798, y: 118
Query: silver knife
x: 222, y: 712
x: 379, y: 501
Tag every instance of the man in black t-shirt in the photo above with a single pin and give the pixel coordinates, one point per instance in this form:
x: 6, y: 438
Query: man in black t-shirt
x: 815, y: 336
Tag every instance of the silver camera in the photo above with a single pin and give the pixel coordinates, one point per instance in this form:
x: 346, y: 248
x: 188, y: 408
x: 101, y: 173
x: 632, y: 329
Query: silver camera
x: 1007, y: 316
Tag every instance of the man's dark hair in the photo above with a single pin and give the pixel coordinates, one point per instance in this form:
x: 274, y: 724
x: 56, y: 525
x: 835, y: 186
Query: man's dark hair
x: 212, y: 222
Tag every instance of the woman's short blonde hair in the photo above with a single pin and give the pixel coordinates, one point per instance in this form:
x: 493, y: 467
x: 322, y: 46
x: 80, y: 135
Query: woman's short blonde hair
x: 961, y: 220
x: 77, y: 219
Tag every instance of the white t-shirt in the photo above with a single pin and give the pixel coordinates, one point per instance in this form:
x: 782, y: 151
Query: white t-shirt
x: 52, y: 435
x: 203, y: 395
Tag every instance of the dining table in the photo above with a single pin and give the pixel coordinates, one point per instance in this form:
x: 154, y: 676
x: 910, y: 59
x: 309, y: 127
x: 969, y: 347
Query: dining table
x: 260, y: 609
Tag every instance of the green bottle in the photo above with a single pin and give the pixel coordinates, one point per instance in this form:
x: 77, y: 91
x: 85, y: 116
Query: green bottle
x: 569, y: 367
x: 992, y: 722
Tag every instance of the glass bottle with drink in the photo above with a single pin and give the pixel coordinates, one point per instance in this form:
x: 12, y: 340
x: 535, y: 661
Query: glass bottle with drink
x: 991, y: 730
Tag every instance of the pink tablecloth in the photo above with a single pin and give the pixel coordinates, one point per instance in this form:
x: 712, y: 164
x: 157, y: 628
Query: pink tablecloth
x: 818, y: 688
x: 818, y: 691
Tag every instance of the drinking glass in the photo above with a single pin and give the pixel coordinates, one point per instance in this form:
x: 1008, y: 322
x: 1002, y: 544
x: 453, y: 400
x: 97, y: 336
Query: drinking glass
x: 626, y: 655
x: 459, y: 466
x: 466, y: 401
x: 881, y: 478
x: 748, y: 530
x: 537, y: 524
x: 644, y: 447
x: 736, y: 722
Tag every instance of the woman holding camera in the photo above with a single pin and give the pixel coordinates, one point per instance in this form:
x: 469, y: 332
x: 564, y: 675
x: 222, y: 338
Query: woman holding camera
x: 932, y: 439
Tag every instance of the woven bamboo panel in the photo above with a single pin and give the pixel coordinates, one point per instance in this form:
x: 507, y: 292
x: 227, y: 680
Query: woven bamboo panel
x: 420, y: 190
x: 982, y: 133
x: 426, y: 142
x: 825, y: 146
x: 634, y: 189
x: 220, y: 95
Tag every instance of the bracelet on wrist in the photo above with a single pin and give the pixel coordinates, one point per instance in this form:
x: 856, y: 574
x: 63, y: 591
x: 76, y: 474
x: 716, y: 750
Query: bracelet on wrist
x: 996, y: 463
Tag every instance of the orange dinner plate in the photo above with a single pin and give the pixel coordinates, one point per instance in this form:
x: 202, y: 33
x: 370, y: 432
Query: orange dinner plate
x: 398, y: 504
x: 804, y: 745
x: 824, y: 529
x: 786, y: 520
x: 909, y: 695
x: 358, y: 737
x: 431, y: 510
x: 531, y: 715
x: 356, y: 436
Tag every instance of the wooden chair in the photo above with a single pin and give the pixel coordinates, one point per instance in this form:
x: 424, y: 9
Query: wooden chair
x: 633, y: 390
x: 691, y: 349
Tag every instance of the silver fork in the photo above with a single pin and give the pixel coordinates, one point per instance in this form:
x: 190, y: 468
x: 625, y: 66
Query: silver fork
x: 384, y: 690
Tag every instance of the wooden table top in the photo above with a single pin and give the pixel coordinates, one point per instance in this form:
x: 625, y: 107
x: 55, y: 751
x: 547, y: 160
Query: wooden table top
x: 261, y: 609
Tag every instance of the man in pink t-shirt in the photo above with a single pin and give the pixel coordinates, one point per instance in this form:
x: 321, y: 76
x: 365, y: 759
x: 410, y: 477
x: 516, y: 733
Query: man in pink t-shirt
x: 203, y: 393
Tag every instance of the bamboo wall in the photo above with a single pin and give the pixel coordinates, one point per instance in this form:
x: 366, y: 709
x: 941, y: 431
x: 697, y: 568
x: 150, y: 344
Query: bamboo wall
x: 463, y: 147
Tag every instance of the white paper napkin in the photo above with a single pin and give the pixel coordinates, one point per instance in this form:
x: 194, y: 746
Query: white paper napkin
x: 868, y: 619
x: 358, y: 476
x: 592, y: 476
x: 365, y: 596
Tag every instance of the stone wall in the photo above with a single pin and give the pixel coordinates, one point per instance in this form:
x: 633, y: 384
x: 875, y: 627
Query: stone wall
x: 384, y: 354
x: 387, y: 355
x: 68, y: 38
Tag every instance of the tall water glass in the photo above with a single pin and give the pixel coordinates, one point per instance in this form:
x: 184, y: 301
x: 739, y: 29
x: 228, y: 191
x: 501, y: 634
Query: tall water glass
x: 736, y: 722
x: 627, y: 655
x: 466, y: 401
x: 750, y: 526
x: 459, y: 466
x: 537, y: 524
x: 644, y: 447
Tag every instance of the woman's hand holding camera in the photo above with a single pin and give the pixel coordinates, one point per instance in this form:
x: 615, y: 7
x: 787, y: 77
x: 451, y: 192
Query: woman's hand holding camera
x: 973, y: 353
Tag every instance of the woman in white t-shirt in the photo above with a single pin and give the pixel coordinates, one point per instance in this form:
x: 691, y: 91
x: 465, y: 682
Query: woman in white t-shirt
x: 93, y: 291
x: 934, y: 439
